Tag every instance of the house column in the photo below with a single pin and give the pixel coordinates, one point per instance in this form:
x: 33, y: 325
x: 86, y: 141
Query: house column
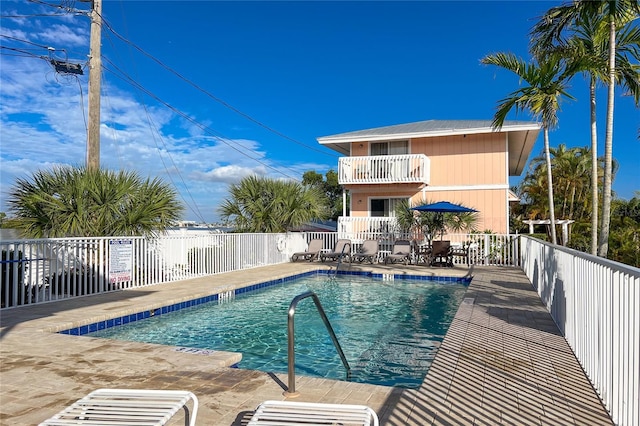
x: 344, y: 203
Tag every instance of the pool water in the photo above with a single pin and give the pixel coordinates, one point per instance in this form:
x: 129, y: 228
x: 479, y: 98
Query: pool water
x: 389, y: 331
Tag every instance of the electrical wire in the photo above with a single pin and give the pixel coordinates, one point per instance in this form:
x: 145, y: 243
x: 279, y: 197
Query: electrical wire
x: 155, y: 131
x: 106, y: 24
x: 25, y: 53
x: 67, y: 7
x: 42, y: 46
x: 84, y: 117
x: 123, y: 76
x: 35, y: 15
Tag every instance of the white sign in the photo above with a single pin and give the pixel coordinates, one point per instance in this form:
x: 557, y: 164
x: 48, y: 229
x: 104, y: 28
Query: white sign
x: 120, y: 260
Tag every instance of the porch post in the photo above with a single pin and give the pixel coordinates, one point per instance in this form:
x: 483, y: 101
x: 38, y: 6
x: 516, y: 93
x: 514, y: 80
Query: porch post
x: 344, y: 202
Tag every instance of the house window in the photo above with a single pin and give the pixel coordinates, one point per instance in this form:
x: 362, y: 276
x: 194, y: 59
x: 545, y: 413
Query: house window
x: 390, y: 148
x: 384, y: 207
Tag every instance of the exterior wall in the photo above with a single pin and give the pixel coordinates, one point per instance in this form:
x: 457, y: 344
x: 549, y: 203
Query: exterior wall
x: 469, y: 170
x: 490, y: 203
x: 359, y: 149
x: 471, y: 160
x: 360, y: 199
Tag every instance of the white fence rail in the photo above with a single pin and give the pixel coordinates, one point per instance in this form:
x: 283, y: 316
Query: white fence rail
x: 35, y: 271
x: 43, y: 270
x: 596, y: 305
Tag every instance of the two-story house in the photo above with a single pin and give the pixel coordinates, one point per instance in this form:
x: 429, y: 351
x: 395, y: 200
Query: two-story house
x: 461, y: 161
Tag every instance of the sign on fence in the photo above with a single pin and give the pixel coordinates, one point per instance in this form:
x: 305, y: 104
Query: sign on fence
x: 120, y: 260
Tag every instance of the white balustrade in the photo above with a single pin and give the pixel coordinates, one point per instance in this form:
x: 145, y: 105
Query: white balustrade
x: 377, y: 169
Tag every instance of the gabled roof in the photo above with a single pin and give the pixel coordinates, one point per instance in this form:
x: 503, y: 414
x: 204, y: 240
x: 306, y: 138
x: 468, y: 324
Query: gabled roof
x: 521, y: 135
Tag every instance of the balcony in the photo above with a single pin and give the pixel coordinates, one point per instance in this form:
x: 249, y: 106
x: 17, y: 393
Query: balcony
x: 382, y: 169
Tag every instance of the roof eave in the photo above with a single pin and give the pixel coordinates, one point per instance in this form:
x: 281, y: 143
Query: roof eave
x: 326, y: 140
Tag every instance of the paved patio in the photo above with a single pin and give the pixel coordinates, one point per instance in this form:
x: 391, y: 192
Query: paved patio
x: 503, y: 360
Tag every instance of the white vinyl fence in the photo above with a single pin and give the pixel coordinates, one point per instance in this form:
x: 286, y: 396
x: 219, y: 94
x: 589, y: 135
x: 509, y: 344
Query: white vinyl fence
x: 596, y: 305
x: 43, y: 270
x: 35, y: 271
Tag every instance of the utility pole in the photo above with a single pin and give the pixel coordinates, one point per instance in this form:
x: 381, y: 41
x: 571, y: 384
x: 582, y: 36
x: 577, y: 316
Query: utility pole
x: 95, y: 65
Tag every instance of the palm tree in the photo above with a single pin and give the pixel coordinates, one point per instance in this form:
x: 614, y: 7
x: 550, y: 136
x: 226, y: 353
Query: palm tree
x: 547, y: 83
x: 570, y: 168
x: 428, y: 224
x: 592, y: 19
x: 81, y: 202
x: 269, y: 205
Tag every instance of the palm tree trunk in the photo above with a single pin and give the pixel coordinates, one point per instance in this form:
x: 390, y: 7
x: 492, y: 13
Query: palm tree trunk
x: 552, y: 214
x: 603, y: 245
x: 594, y: 169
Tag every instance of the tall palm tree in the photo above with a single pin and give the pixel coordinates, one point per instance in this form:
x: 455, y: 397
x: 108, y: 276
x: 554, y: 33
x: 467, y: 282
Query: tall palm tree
x: 547, y: 83
x: 269, y: 205
x: 81, y: 202
x: 599, y: 23
x: 570, y: 166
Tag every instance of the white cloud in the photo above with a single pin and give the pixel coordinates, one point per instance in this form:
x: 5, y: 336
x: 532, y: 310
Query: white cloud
x: 63, y: 36
x: 43, y: 123
x: 229, y: 174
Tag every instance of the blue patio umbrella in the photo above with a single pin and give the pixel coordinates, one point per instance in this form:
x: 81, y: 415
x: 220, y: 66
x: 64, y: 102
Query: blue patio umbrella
x: 444, y: 207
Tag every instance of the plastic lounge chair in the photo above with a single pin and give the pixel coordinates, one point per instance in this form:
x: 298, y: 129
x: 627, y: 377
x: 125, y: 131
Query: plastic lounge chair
x: 308, y: 413
x: 441, y: 253
x: 401, y: 252
x: 341, y: 250
x: 312, y: 252
x: 127, y: 407
x: 368, y: 251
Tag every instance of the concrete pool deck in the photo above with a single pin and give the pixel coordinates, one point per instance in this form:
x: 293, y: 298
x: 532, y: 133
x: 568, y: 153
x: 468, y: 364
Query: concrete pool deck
x: 503, y: 360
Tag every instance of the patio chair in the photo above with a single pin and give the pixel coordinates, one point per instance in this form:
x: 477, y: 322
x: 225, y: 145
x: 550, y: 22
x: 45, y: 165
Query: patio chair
x: 341, y: 250
x: 401, y: 252
x: 312, y: 252
x: 312, y: 413
x: 441, y: 253
x: 368, y: 251
x: 423, y: 253
x: 461, y: 252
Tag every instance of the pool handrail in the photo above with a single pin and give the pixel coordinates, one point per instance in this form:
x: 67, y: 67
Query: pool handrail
x: 291, y: 390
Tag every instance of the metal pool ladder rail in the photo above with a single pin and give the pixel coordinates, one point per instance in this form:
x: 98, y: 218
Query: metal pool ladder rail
x: 291, y: 391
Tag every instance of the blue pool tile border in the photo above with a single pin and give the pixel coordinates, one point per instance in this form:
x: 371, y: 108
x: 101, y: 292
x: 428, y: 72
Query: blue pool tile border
x: 126, y: 319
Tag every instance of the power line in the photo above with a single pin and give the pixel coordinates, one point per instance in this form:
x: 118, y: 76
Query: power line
x: 215, y: 98
x: 123, y: 76
x: 34, y: 15
x: 25, y: 53
x: 42, y: 46
x: 154, y: 131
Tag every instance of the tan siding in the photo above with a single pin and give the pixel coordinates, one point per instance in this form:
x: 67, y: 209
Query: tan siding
x: 491, y: 206
x: 471, y: 160
x: 359, y: 149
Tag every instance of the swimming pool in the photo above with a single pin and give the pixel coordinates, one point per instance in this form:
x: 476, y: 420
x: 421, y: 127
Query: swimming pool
x: 390, y: 330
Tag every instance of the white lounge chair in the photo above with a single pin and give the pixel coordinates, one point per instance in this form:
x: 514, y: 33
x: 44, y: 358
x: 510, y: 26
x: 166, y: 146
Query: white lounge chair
x: 271, y: 413
x: 127, y: 407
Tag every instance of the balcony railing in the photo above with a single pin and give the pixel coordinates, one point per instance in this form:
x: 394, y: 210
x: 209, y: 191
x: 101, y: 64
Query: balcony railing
x: 377, y: 169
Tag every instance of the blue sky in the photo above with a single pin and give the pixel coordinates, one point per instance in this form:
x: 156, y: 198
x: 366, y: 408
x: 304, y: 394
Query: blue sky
x: 247, y: 87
